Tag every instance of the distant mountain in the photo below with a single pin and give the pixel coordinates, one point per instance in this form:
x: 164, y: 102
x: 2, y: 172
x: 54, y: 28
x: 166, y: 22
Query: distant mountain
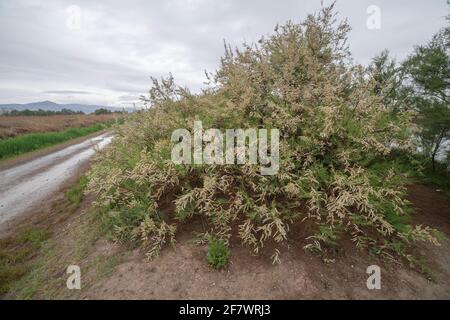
x: 52, y: 106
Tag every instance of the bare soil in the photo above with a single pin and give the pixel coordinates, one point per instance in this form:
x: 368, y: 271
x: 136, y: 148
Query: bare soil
x: 112, y: 271
x: 11, y: 126
x: 182, y: 272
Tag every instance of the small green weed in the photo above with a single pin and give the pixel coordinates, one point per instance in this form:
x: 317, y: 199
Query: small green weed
x: 218, y: 253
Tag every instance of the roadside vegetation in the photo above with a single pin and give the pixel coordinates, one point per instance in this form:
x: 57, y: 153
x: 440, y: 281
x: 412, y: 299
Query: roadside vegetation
x: 34, y: 141
x: 75, y: 193
x: 16, y: 254
x: 33, y: 259
x: 348, y: 148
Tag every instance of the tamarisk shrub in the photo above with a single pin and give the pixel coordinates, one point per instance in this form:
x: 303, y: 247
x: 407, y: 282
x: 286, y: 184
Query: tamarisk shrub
x: 338, y: 174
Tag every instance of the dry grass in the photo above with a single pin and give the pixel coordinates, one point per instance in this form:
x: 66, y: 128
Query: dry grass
x: 11, y: 126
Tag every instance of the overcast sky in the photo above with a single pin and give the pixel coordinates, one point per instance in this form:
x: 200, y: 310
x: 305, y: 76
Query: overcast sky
x: 108, y: 57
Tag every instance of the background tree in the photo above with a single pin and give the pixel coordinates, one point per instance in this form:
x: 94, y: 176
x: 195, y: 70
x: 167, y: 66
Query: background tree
x: 102, y: 111
x: 388, y: 77
x: 427, y: 73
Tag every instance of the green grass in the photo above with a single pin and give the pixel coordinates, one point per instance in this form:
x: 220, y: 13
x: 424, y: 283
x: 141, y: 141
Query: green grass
x: 218, y: 253
x: 75, y: 193
x: 30, y: 142
x: 15, y: 255
x: 45, y: 277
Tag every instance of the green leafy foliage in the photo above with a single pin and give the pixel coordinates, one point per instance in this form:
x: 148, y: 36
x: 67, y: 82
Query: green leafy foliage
x: 428, y: 91
x: 218, y: 253
x: 33, y: 141
x: 76, y: 192
x: 16, y: 253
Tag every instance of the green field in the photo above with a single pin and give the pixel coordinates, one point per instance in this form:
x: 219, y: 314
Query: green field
x: 30, y: 142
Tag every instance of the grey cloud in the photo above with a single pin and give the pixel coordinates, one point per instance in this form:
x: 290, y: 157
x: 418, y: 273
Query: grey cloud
x: 121, y: 44
x: 67, y: 92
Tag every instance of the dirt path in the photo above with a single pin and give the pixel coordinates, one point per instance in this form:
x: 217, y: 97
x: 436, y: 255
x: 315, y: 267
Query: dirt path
x: 28, y: 184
